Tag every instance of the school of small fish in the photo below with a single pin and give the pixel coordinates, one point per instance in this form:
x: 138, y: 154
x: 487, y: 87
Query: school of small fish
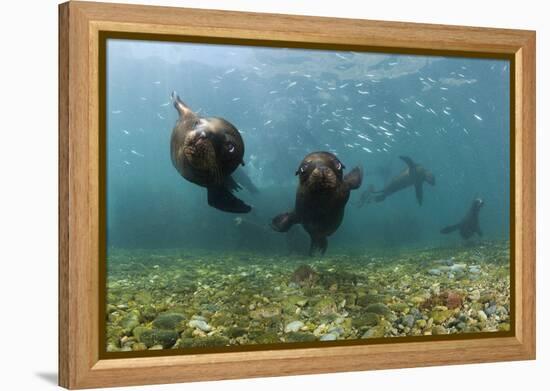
x: 346, y: 107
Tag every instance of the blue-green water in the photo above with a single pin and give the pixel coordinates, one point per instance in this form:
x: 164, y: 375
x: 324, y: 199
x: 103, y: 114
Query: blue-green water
x: 366, y: 108
x: 449, y: 114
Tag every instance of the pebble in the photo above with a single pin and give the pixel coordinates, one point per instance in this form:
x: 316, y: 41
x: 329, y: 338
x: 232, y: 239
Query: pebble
x: 329, y: 337
x: 336, y: 330
x: 200, y: 324
x: 434, y: 272
x: 408, y: 320
x: 491, y: 310
x: 294, y: 326
x: 482, y: 316
x: 475, y: 295
x: 458, y: 267
x: 474, y: 269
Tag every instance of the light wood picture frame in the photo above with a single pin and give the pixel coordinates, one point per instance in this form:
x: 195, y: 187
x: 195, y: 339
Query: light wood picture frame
x: 83, y: 27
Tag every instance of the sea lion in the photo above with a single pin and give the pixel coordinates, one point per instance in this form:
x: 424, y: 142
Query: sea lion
x: 321, y: 198
x: 414, y: 175
x: 206, y: 151
x: 469, y: 223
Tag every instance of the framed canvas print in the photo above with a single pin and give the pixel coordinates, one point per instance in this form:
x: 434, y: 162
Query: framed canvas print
x: 256, y: 195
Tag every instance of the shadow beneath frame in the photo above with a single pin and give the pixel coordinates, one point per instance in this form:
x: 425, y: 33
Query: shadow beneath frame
x: 49, y: 377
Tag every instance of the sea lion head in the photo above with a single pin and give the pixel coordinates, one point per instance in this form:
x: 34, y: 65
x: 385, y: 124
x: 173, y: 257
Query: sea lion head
x: 213, y: 142
x: 429, y: 177
x: 320, y: 172
x: 477, y: 204
x: 211, y: 145
x: 424, y: 174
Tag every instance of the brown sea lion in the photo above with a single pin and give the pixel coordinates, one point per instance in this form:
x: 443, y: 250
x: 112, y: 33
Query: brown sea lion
x: 206, y: 151
x: 321, y: 198
x: 414, y: 175
x: 469, y: 223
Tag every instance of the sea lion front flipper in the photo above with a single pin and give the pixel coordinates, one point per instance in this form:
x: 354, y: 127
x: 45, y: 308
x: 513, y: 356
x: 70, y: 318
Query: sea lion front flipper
x: 419, y: 192
x: 244, y: 180
x: 221, y: 198
x: 450, y: 229
x: 410, y: 163
x: 367, y: 196
x: 283, y: 222
x: 318, y: 244
x: 354, y: 178
x: 231, y: 184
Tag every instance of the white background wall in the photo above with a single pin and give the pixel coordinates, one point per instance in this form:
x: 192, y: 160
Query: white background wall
x: 28, y: 193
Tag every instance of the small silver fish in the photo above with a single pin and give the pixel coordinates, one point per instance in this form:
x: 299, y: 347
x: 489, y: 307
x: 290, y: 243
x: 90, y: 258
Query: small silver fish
x: 134, y: 152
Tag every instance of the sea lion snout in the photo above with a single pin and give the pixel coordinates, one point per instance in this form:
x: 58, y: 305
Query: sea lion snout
x: 322, y: 177
x: 198, y: 149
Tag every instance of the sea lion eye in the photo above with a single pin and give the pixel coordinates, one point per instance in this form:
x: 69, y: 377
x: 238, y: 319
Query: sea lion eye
x: 302, y: 169
x: 230, y: 148
x: 338, y: 166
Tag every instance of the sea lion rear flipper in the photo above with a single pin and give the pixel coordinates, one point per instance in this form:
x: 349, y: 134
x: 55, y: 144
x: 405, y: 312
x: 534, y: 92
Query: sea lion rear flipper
x: 450, y: 229
x: 419, y: 192
x: 283, y: 222
x: 354, y: 178
x: 181, y: 107
x: 318, y: 244
x: 410, y: 163
x: 244, y: 180
x: 221, y: 198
